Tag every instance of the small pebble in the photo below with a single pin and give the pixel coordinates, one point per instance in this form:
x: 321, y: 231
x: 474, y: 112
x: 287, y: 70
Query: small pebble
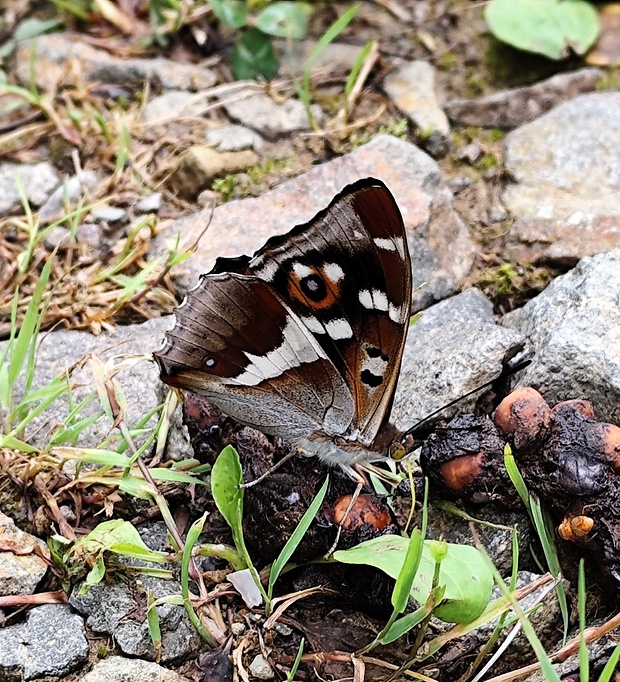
x: 283, y: 629
x: 109, y: 214
x: 459, y: 184
x: 150, y: 204
x: 237, y: 629
x: 261, y: 669
x: 497, y: 214
x: 58, y: 236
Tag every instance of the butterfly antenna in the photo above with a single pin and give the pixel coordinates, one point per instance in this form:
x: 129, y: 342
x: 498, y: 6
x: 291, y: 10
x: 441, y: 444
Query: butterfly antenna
x: 506, y: 372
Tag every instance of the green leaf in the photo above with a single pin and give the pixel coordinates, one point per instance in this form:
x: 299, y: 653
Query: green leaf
x: 548, y: 27
x: 404, y: 624
x: 464, y: 573
x: 296, y: 537
x: 285, y: 19
x: 96, y: 573
x: 253, y: 56
x: 233, y: 13
x: 610, y: 667
x: 226, y: 478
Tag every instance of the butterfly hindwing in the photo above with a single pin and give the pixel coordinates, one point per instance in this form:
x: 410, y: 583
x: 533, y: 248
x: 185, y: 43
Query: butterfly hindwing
x: 238, y: 344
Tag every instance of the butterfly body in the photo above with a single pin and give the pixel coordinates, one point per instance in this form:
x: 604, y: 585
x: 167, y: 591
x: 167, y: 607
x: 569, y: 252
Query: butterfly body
x: 304, y: 339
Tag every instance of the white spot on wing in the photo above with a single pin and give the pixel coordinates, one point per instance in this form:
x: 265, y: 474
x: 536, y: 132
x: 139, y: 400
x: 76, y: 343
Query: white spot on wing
x: 339, y: 329
x: 302, y: 270
x: 385, y: 244
x: 313, y: 324
x: 380, y: 300
x: 395, y: 312
x: 333, y: 272
x: 365, y: 298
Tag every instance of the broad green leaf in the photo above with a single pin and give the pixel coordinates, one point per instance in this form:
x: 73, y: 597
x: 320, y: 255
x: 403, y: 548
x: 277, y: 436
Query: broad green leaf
x: 285, y: 19
x: 120, y: 537
x: 547, y: 27
x: 253, y: 56
x: 233, y: 13
x: 296, y: 537
x: 464, y: 573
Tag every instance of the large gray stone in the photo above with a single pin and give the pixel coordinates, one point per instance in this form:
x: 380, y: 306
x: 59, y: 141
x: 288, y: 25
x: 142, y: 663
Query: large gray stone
x: 52, y: 642
x: 269, y: 118
x: 511, y: 108
x: 453, y: 347
x: 441, y: 248
x: 21, y: 568
x: 573, y: 328
x: 120, y: 669
x: 60, y: 350
x: 566, y: 169
x: 54, y: 53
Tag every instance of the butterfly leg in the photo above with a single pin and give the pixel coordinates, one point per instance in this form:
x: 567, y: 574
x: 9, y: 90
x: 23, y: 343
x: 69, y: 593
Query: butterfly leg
x: 277, y: 465
x: 357, y: 475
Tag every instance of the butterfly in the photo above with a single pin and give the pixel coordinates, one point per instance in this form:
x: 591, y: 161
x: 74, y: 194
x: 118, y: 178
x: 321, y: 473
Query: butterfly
x: 304, y: 338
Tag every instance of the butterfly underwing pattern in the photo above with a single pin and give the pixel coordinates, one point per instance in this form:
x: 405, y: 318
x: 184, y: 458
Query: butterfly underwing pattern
x: 304, y: 339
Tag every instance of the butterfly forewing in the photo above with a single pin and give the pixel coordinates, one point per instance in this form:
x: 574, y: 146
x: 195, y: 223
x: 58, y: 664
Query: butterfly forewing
x: 347, y: 274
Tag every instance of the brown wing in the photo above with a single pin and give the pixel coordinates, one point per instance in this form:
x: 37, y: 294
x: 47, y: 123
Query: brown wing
x: 347, y: 276
x: 238, y: 344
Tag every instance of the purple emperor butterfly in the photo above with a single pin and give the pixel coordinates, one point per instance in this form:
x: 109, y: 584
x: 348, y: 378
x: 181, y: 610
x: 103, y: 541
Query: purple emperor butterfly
x: 304, y: 339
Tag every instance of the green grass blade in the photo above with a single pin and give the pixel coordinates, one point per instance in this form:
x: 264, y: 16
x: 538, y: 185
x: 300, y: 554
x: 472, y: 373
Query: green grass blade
x: 296, y: 537
x: 190, y: 542
x: 611, y: 665
x: 152, y: 619
x: 25, y: 337
x: 293, y: 671
x: 584, y: 663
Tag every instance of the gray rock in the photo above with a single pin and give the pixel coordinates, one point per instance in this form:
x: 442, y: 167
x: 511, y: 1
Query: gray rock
x: 59, y: 350
x: 574, y: 330
x: 52, y: 642
x: 54, y: 52
x: 67, y: 195
x: 566, y: 167
x: 441, y: 247
x: 149, y: 204
x: 261, y: 669
x: 335, y: 58
x: 451, y: 349
x: 109, y: 214
x: 20, y: 568
x: 200, y: 164
x: 270, y: 119
x: 38, y: 180
x: 411, y: 87
x: 118, y: 609
x: 511, y: 108
x: 120, y: 669
x: 172, y: 105
x: 599, y: 652
x: 58, y: 237
x: 233, y: 138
